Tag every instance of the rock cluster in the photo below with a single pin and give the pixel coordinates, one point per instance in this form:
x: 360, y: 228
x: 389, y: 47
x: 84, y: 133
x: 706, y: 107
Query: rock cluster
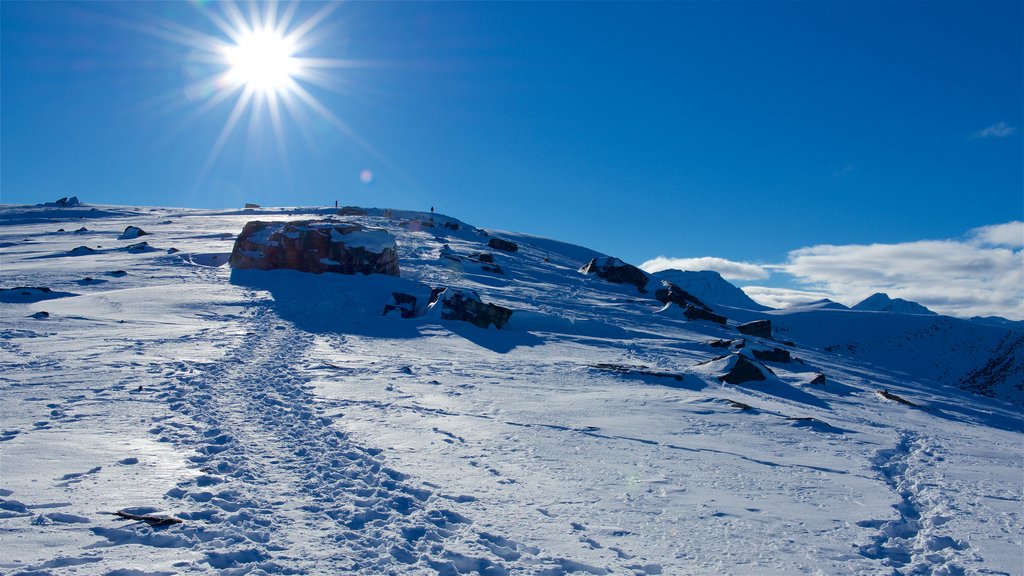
x: 315, y: 246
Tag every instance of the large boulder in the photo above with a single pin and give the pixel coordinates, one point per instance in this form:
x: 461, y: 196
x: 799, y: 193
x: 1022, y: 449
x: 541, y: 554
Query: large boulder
x: 616, y: 271
x: 736, y: 368
x: 501, y: 244
x: 758, y: 328
x: 315, y: 246
x: 670, y: 293
x: 131, y: 233
x: 465, y: 305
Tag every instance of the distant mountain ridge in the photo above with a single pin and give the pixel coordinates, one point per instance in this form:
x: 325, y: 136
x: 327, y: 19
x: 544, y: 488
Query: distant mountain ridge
x: 881, y: 302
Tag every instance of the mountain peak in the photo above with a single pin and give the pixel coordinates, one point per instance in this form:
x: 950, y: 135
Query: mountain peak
x: 881, y: 302
x: 710, y: 288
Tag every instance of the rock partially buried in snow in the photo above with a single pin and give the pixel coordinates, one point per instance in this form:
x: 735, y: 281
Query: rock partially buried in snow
x: 736, y: 369
x: 617, y: 272
x: 315, y: 246
x: 505, y: 245
x: 758, y: 328
x: 670, y: 293
x: 132, y: 232
x: 694, y: 313
x: 465, y: 305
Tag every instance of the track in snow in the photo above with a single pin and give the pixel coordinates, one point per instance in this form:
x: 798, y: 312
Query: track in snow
x: 283, y: 490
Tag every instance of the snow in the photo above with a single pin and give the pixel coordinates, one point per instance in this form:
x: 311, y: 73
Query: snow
x: 880, y: 302
x: 709, y: 287
x: 294, y: 428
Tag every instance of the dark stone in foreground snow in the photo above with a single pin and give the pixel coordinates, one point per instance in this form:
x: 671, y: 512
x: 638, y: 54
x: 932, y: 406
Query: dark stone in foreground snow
x: 499, y: 244
x: 132, y: 232
x: 818, y: 379
x: 466, y: 306
x: 758, y: 328
x: 315, y: 246
x: 694, y: 313
x: 617, y: 272
x: 745, y: 370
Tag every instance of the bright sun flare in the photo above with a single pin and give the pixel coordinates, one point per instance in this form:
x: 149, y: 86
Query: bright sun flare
x: 262, y: 61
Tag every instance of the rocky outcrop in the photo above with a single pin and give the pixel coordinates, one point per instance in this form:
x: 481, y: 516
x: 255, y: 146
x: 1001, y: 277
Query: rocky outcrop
x: 694, y: 313
x: 351, y: 211
x: 504, y: 245
x: 315, y: 246
x: 131, y: 233
x: 670, y: 293
x: 617, y: 272
x: 466, y: 306
x: 742, y: 369
x: 775, y: 354
x: 758, y: 328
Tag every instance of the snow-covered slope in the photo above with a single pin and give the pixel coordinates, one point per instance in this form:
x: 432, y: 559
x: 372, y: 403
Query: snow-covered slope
x: 710, y: 287
x: 292, y: 428
x: 880, y: 302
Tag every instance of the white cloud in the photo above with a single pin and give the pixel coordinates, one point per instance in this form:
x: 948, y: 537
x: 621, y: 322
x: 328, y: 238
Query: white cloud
x: 783, y: 297
x: 1010, y: 234
x: 729, y: 269
x: 997, y: 130
x: 955, y: 277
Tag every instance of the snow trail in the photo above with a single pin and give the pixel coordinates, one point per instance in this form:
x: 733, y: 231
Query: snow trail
x: 283, y: 490
x: 914, y: 542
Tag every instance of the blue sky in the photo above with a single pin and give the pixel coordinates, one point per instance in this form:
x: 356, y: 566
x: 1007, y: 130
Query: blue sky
x: 742, y: 131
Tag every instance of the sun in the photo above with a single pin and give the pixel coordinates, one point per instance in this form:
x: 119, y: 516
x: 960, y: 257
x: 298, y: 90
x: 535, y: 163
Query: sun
x: 262, y: 61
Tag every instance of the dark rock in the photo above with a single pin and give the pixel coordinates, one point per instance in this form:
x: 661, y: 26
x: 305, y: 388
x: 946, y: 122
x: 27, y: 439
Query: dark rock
x: 81, y: 250
x: 819, y: 379
x: 451, y: 225
x: 81, y: 230
x: 505, y: 245
x: 117, y: 273
x: 670, y: 293
x: 132, y: 232
x: 173, y: 250
x: 779, y: 355
x: 41, y: 315
x: 140, y: 247
x: 890, y: 396
x: 720, y: 343
x: 405, y: 304
x: 745, y: 370
x: 636, y: 370
x: 483, y: 257
x: 60, y: 229
x: 739, y: 405
x: 315, y: 246
x: 758, y: 328
x: 616, y: 271
x: 694, y: 313
x: 250, y: 205
x: 351, y: 211
x: 466, y: 306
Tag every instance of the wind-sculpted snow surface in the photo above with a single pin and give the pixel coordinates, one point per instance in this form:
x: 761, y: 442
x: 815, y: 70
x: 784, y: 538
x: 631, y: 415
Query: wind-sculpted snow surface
x: 168, y: 415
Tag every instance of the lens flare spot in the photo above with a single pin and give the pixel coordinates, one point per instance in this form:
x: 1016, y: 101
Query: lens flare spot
x: 366, y: 177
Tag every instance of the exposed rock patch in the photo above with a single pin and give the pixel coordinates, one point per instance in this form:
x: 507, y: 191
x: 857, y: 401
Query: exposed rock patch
x: 617, y: 272
x: 131, y: 233
x: 465, y: 305
x: 504, y: 245
x: 758, y: 328
x: 315, y: 246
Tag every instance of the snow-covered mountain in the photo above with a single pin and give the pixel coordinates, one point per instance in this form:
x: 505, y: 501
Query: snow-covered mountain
x: 879, y: 302
x: 166, y: 414
x: 710, y: 287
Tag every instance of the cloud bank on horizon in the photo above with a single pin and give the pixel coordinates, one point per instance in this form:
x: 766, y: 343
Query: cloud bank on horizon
x: 980, y: 274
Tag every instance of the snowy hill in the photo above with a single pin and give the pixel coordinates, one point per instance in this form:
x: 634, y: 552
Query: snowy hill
x: 165, y: 414
x: 710, y: 287
x: 879, y: 302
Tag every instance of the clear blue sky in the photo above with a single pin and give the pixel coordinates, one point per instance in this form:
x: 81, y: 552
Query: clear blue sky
x: 737, y: 130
